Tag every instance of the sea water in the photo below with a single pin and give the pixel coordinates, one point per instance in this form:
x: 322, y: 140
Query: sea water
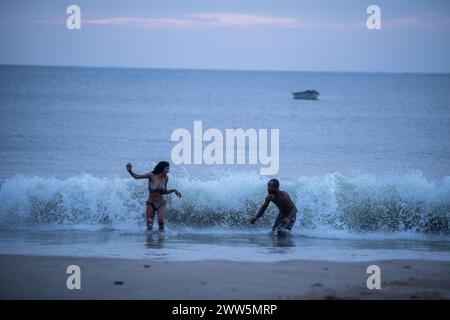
x: 367, y: 164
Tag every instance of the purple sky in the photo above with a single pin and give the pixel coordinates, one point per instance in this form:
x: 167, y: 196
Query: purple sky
x: 315, y: 35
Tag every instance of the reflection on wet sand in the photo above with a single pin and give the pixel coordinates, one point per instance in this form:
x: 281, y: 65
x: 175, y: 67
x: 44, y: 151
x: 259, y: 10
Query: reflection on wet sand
x: 155, y: 240
x: 283, y: 241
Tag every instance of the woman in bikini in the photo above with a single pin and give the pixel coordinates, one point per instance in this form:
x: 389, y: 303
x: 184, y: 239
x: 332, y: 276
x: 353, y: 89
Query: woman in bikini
x: 157, y: 187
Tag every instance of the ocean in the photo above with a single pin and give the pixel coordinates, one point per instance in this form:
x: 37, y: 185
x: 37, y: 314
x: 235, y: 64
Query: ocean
x: 368, y: 164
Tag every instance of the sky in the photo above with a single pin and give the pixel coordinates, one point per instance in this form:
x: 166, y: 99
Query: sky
x: 297, y: 35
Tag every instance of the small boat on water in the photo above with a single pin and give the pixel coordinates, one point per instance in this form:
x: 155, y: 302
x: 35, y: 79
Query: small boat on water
x: 306, y: 95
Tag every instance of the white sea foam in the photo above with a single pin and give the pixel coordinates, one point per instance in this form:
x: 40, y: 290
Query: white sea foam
x: 329, y: 206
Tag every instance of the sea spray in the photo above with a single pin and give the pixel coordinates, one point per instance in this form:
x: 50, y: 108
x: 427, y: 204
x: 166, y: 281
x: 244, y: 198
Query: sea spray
x: 391, y: 203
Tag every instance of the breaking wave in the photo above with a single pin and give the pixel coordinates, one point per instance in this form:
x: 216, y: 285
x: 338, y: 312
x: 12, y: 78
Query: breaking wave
x: 404, y: 203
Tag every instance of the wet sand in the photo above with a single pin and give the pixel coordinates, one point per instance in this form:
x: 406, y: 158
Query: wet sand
x: 41, y: 277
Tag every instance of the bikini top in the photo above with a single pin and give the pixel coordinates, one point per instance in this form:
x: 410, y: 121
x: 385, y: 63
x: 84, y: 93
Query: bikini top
x: 153, y: 188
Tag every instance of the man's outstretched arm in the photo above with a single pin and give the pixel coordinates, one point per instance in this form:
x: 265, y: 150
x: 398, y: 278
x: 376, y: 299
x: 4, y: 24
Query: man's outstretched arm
x: 261, y: 210
x: 135, y: 175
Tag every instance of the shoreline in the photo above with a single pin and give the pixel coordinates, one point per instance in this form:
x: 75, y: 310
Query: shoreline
x: 44, y: 277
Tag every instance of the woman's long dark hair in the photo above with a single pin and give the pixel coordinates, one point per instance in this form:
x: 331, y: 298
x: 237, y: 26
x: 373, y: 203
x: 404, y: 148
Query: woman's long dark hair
x: 159, y: 168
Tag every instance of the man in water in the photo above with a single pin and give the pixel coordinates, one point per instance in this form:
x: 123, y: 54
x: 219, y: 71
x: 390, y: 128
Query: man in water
x: 288, y: 210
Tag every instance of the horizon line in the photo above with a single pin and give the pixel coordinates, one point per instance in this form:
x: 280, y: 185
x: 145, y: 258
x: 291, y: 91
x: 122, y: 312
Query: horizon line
x: 216, y: 69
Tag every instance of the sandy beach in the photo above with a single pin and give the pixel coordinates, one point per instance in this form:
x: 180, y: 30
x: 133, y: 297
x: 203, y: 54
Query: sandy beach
x: 39, y: 277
